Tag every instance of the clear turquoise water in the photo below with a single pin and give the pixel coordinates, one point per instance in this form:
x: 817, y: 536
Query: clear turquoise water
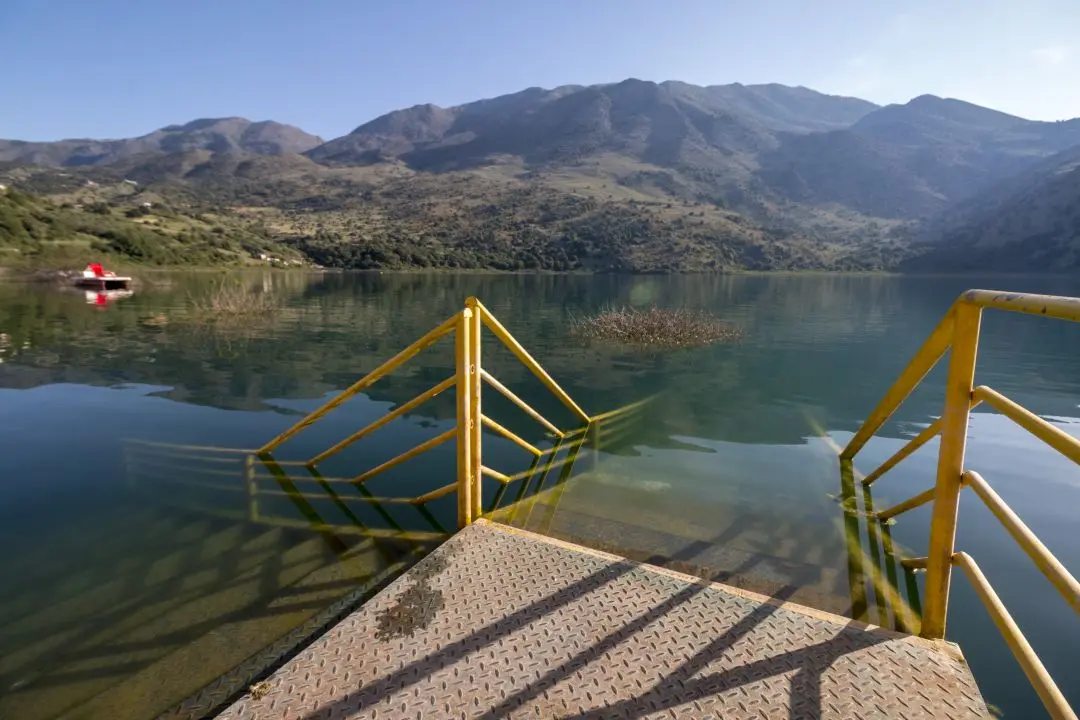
x: 730, y: 470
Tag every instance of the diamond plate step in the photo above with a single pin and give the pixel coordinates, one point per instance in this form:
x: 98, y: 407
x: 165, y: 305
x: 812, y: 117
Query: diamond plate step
x: 504, y: 623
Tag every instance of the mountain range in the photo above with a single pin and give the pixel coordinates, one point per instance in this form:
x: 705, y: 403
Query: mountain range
x: 629, y: 176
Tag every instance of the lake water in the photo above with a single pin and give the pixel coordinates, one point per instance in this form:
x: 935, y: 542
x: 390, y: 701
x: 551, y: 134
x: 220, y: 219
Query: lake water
x: 138, y: 566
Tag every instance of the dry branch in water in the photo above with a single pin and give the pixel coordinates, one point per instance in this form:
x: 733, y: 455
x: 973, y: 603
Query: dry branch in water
x: 657, y: 327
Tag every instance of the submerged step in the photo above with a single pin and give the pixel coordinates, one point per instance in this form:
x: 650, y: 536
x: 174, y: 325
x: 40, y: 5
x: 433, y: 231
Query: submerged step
x: 232, y: 653
x: 501, y: 622
x: 736, y: 544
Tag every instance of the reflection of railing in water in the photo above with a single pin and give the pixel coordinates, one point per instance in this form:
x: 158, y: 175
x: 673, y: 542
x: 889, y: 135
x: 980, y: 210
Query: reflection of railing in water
x: 244, y: 474
x: 958, y: 333
x: 294, y: 478
x: 879, y: 562
x: 468, y: 381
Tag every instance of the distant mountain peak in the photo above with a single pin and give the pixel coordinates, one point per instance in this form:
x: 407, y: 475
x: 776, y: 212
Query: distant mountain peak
x: 924, y: 99
x: 204, y: 123
x: 225, y: 134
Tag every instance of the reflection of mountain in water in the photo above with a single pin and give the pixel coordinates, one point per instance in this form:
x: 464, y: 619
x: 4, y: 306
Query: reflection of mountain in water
x: 829, y: 345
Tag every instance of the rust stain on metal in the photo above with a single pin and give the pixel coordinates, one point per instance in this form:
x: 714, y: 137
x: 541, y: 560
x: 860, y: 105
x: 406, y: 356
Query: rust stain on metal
x: 418, y: 604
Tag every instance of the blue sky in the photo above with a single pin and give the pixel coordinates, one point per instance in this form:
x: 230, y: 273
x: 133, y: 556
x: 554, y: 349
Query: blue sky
x: 119, y: 68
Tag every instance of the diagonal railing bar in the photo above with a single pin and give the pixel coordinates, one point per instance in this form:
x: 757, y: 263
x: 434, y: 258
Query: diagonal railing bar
x: 468, y: 379
x: 505, y: 391
x: 958, y: 333
x: 512, y: 437
x: 527, y: 360
x: 365, y: 382
x: 407, y: 455
x: 1052, y: 698
x: 1055, y: 437
x: 926, y: 435
x: 384, y: 420
x: 924, y: 361
x: 1050, y: 566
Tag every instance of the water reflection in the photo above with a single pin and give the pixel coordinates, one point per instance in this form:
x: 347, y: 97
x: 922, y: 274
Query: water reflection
x: 729, y: 473
x: 333, y: 328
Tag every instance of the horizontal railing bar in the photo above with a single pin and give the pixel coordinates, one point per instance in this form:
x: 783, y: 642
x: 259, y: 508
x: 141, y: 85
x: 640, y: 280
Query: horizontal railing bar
x: 915, y: 563
x: 434, y: 494
x: 504, y: 479
x: 421, y: 448
x: 924, y: 361
x: 388, y: 417
x: 1056, y: 438
x: 509, y: 395
x: 155, y: 465
x: 321, y: 480
x: 1055, y: 306
x: 526, y: 359
x: 1040, y: 679
x: 367, y: 499
x: 909, y: 504
x: 198, y: 448
x: 488, y: 422
x: 286, y: 463
x: 372, y: 377
x: 1049, y: 565
x: 140, y: 453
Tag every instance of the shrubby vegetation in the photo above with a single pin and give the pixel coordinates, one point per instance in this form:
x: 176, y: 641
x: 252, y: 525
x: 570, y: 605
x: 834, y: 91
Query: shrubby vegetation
x: 660, y: 327
x: 36, y: 232
x: 448, y: 222
x: 230, y: 301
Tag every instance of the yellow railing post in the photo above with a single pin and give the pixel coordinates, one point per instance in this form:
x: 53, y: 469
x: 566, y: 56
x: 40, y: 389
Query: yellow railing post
x: 462, y: 363
x: 474, y: 313
x: 954, y: 426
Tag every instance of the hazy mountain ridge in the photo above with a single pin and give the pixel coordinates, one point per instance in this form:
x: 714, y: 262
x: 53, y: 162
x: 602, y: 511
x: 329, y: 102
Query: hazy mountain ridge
x: 837, y: 181
x: 668, y: 124
x: 219, y: 135
x: 1030, y: 222
x: 925, y: 155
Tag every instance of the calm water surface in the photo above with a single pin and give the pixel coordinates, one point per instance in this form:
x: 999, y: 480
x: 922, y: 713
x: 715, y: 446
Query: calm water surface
x: 137, y: 565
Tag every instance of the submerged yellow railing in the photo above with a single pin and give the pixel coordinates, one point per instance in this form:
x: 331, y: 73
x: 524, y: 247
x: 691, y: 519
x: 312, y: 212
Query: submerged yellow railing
x: 468, y: 380
x: 958, y: 333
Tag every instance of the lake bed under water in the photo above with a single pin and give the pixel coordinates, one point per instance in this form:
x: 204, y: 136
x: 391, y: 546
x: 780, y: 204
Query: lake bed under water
x: 127, y: 565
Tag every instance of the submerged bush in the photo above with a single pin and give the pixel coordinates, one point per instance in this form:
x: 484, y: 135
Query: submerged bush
x: 234, y: 301
x: 657, y: 327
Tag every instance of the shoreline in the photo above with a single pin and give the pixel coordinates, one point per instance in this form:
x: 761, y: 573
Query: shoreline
x: 46, y: 274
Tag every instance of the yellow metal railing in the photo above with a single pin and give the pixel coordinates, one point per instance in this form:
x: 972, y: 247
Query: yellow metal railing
x: 958, y: 333
x: 468, y: 380
x: 242, y: 474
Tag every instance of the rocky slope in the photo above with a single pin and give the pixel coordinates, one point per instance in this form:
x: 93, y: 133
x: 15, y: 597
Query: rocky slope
x: 628, y: 176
